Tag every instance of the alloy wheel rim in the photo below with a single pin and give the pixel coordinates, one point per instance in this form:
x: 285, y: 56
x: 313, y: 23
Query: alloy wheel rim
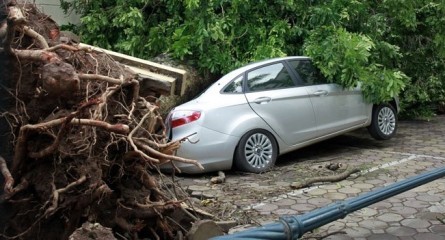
x: 387, y: 121
x: 258, y: 150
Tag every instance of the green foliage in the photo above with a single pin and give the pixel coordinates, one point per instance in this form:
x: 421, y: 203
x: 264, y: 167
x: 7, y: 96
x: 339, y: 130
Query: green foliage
x: 389, y: 47
x: 345, y: 58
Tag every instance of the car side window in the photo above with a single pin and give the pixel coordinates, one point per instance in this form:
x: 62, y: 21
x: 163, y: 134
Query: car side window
x: 270, y: 77
x: 309, y: 74
x: 236, y: 86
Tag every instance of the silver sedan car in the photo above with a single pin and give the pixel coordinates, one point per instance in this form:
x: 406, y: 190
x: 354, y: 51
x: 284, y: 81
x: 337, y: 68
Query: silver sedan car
x: 260, y: 111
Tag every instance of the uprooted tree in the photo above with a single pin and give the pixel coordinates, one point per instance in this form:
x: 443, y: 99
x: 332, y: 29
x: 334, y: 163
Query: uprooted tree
x: 84, y: 143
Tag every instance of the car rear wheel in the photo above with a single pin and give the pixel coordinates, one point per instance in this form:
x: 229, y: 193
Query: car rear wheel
x: 256, y: 152
x: 384, y: 122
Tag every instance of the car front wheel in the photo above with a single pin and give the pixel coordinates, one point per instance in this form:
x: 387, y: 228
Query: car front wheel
x: 256, y: 152
x: 384, y: 122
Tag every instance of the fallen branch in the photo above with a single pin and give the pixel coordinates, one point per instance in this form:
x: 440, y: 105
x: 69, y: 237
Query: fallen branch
x: 333, y: 178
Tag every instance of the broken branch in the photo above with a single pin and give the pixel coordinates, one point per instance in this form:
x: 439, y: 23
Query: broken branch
x: 333, y: 178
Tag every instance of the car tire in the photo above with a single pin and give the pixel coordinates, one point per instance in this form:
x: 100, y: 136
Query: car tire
x: 384, y: 122
x: 256, y: 152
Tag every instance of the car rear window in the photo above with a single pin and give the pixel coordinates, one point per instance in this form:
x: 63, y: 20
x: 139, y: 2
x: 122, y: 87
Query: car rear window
x: 236, y: 86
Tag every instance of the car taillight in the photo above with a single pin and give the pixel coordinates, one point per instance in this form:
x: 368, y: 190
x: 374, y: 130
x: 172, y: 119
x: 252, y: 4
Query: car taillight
x: 180, y: 118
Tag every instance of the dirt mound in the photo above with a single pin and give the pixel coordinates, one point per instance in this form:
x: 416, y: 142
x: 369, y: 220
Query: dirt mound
x: 80, y: 143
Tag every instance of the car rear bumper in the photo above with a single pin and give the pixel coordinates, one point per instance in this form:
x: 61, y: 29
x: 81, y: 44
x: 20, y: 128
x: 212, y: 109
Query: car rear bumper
x: 212, y: 149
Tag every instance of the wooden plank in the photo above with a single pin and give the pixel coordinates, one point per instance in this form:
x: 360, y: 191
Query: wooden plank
x: 162, y: 84
x: 179, y: 74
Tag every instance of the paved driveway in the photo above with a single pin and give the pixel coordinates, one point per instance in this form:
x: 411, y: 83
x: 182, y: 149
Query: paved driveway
x: 416, y: 214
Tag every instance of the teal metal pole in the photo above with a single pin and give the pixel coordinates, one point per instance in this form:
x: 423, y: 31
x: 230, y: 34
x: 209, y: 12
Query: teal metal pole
x: 294, y: 226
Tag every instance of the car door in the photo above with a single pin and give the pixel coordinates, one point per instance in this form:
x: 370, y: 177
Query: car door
x: 335, y: 108
x: 272, y: 93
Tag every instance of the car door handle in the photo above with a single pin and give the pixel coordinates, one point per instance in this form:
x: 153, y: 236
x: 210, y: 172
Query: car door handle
x: 262, y: 100
x: 320, y: 93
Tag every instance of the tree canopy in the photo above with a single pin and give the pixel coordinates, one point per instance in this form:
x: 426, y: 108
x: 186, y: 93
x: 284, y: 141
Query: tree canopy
x: 392, y: 47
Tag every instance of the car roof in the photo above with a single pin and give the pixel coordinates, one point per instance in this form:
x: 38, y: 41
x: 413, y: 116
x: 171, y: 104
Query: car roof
x: 264, y: 62
x: 231, y: 75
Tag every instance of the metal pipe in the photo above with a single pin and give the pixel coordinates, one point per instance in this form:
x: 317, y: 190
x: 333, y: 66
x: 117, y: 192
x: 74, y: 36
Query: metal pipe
x: 294, y: 226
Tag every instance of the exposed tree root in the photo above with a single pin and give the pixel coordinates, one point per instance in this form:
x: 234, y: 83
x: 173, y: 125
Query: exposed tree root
x: 86, y: 144
x: 55, y: 197
x: 9, y: 181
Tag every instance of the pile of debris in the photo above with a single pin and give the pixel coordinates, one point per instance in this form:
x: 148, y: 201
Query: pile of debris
x: 80, y: 143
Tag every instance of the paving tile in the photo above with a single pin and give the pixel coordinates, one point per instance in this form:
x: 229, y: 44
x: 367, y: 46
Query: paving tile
x: 404, y: 211
x: 375, y: 182
x: 318, y: 192
x: 358, y: 232
x: 416, y: 204
x: 381, y: 205
x: 346, y: 183
x: 335, y: 226
x: 352, y: 224
x: 301, y: 207
x: 285, y: 211
x: 438, y: 208
x: 331, y: 186
x: 350, y: 190
x: 266, y: 207
x: 285, y: 202
x: 338, y: 237
x: 390, y: 217
x: 415, y: 223
x: 438, y: 229
x: 320, y: 202
x: 428, y: 236
x: 336, y: 196
x: 366, y: 212
x: 406, y: 238
x: 364, y: 186
x: 401, y: 231
x: 423, y: 188
x: 430, y: 216
x: 373, y: 224
x: 382, y: 236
